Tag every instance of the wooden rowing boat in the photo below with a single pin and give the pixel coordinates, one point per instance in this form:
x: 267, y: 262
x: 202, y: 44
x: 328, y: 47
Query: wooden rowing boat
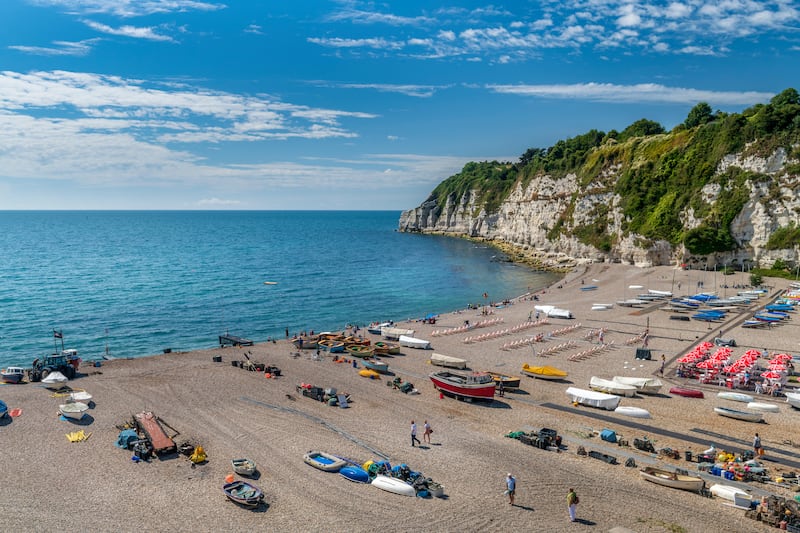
x: 509, y: 382
x: 672, y: 480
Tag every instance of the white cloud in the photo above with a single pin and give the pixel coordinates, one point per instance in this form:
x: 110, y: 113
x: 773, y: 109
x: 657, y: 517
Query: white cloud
x: 254, y: 28
x: 128, y: 31
x: 129, y: 8
x: 420, y: 91
x: 59, y: 48
x: 628, y: 94
x: 217, y: 202
x: 677, y: 10
x: 375, y: 42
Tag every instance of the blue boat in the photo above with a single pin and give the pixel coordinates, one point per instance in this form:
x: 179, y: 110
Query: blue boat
x: 780, y: 307
x: 764, y: 318
x: 589, y: 288
x: 3, y: 409
x: 354, y: 473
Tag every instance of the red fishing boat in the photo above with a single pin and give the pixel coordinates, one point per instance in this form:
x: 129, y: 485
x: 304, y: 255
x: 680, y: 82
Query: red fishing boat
x: 479, y: 385
x: 688, y: 393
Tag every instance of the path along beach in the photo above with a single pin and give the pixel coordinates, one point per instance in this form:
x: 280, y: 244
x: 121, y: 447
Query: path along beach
x: 50, y: 484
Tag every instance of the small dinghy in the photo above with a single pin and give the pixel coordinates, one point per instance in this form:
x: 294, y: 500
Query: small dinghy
x: 672, y: 479
x: 244, y: 493
x: 394, y: 485
x: 763, y: 407
x: 735, y: 396
x: 80, y: 396
x: 244, y: 467
x: 635, y: 412
x: 509, y: 382
x: 747, y: 416
x: 354, y: 473
x: 55, y: 380
x: 686, y: 393
x: 73, y: 410
x: 726, y: 492
x: 324, y: 461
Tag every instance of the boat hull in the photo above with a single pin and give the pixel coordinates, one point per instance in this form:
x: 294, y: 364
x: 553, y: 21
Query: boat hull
x: 243, y: 467
x: 324, y: 461
x: 763, y: 407
x: 793, y: 399
x: 746, y: 416
x: 244, y: 493
x: 448, y: 361
x: 12, y: 375
x: 611, y: 387
x: 509, y: 382
x: 73, y: 410
x: 686, y: 393
x: 672, y: 480
x: 353, y: 473
x: 393, y: 485
x: 726, y: 492
x: 544, y: 372
x: 643, y: 385
x: 735, y: 397
x: 458, y: 385
x: 593, y: 398
x: 635, y: 412
x: 377, y: 366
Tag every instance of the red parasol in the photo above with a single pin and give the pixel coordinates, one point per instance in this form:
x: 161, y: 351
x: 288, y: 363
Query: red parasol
x: 771, y: 375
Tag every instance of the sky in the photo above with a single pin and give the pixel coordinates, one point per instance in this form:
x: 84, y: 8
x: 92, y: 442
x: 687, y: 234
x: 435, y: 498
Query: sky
x: 347, y: 105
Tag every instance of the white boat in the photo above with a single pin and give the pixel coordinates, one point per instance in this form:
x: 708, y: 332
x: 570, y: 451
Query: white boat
x: 393, y: 334
x: 412, y: 342
x: 55, y: 380
x: 643, y: 385
x: 13, y: 374
x: 80, y: 396
x: 602, y: 307
x: 793, y: 399
x: 764, y: 407
x: 671, y: 479
x: 665, y: 294
x: 74, y: 410
x: 636, y: 287
x: 611, y: 387
x: 448, y: 361
x: 559, y: 313
x: 735, y: 396
x: 726, y: 492
x: 631, y: 302
x: 244, y: 466
x: 635, y: 412
x: 747, y: 416
x: 593, y: 399
x: 391, y: 484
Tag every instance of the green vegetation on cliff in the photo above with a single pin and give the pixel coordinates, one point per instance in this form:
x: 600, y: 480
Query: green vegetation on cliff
x: 660, y: 176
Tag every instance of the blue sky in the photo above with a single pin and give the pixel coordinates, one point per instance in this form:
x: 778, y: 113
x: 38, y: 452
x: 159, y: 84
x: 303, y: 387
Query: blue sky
x: 247, y: 104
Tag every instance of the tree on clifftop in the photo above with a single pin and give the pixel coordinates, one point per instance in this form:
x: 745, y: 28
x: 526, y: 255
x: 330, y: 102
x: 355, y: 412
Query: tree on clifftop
x: 700, y: 114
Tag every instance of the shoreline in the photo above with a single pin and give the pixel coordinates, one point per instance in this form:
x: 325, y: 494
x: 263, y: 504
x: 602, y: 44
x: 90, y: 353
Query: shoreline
x: 235, y: 413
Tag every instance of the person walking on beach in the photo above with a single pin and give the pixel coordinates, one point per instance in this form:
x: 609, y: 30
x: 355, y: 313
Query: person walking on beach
x: 758, y: 450
x: 426, y: 432
x: 501, y: 389
x: 511, y: 488
x: 572, y: 504
x: 663, y: 362
x: 414, y: 434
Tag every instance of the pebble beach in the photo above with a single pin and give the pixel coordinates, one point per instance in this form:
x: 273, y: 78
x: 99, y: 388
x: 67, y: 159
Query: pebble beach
x: 50, y: 483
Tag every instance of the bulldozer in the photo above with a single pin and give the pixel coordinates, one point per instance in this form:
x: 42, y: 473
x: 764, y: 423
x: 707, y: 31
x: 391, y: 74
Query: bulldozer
x: 52, y: 363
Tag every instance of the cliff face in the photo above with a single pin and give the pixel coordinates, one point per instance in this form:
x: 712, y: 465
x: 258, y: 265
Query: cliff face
x: 544, y: 214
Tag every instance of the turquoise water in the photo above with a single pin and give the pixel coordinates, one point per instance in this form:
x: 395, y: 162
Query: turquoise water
x: 140, y: 282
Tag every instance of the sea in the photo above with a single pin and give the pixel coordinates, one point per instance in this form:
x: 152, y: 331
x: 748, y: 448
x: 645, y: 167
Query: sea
x: 136, y: 283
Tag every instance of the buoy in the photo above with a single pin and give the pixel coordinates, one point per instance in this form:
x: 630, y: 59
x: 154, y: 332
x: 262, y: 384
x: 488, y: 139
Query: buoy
x: 267, y: 375
x: 229, y: 478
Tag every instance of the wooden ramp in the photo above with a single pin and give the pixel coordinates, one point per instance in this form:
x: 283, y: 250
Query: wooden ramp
x: 148, y: 424
x: 233, y: 340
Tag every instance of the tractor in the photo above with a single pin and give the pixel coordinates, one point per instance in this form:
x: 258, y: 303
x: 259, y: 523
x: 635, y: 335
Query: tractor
x: 51, y: 363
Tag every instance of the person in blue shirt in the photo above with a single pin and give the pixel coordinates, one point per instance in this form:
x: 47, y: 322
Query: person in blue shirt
x: 511, y: 484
